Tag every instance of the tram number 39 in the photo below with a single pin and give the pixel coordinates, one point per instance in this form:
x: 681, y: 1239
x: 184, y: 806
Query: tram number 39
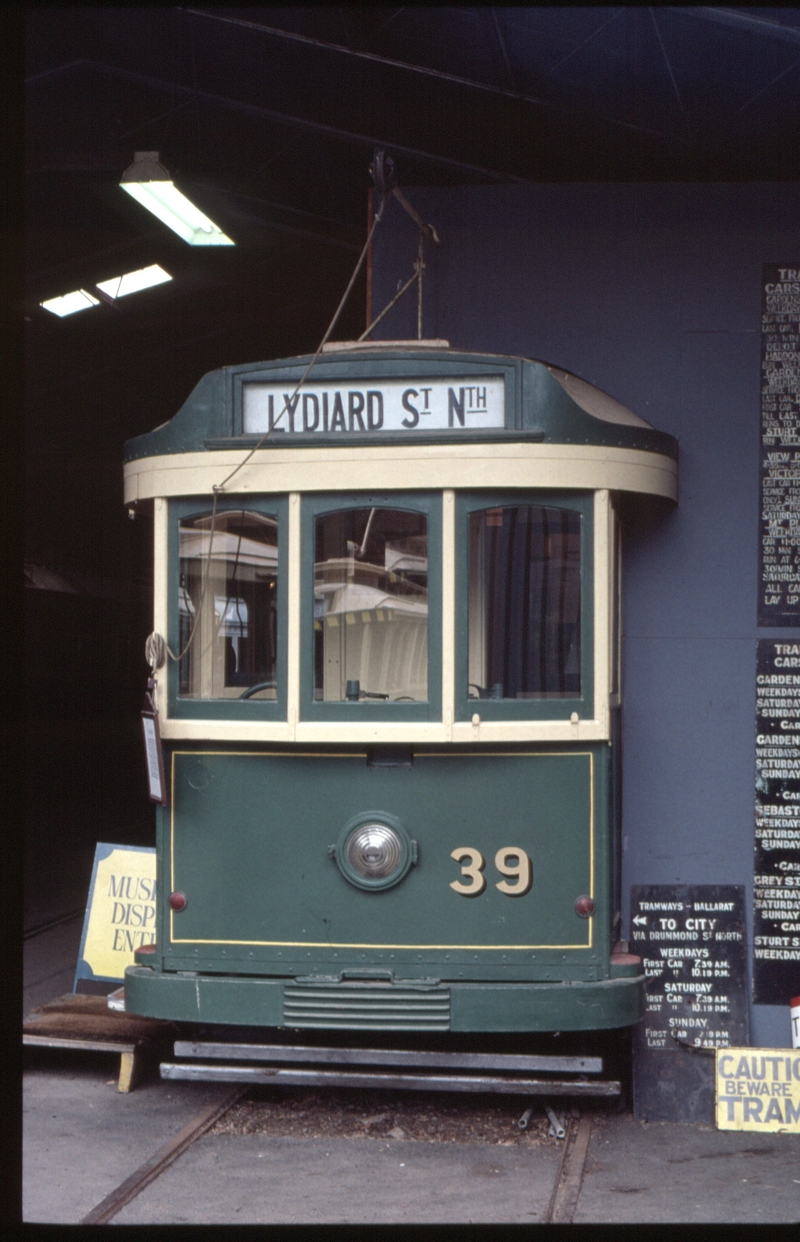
x: 509, y: 861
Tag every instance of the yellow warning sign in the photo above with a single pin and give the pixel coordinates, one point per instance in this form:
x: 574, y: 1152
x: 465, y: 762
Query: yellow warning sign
x: 758, y: 1089
x: 120, y: 913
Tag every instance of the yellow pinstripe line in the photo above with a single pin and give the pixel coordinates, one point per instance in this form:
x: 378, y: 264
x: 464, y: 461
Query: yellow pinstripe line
x: 313, y: 944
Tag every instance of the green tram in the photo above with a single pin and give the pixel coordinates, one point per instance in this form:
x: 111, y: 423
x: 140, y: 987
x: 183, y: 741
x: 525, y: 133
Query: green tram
x: 390, y: 709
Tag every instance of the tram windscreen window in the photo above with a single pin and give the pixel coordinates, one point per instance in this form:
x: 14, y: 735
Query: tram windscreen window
x: 232, y: 594
x: 371, y: 606
x: 524, y: 603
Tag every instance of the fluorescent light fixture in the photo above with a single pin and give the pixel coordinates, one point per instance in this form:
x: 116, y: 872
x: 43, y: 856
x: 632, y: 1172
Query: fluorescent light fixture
x: 151, y: 185
x: 132, y: 282
x: 70, y: 303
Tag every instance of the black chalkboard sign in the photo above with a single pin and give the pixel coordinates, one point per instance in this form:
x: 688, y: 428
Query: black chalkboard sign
x: 691, y: 939
x: 776, y: 887
x: 779, y: 541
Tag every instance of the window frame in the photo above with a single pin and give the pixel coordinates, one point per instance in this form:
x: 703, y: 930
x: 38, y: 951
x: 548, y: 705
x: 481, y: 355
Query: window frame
x: 243, y: 710
x: 316, y: 505
x: 544, y: 709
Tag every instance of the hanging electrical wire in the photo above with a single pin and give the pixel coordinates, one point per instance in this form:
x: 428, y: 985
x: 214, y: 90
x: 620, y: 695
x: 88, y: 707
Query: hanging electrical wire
x: 383, y: 175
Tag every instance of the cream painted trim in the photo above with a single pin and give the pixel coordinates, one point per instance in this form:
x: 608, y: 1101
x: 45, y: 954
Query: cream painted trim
x: 618, y: 571
x: 529, y: 731
x: 293, y: 614
x: 160, y: 594
x: 448, y: 609
x: 226, y: 730
x: 602, y: 618
x: 401, y: 466
x: 615, y: 595
x: 343, y: 734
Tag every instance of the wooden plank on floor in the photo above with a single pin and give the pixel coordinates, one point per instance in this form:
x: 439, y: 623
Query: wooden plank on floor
x: 89, y: 1045
x: 79, y: 1017
x: 85, y: 1023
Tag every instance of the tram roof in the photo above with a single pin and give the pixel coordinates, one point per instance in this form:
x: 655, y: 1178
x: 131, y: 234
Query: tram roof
x: 541, y: 402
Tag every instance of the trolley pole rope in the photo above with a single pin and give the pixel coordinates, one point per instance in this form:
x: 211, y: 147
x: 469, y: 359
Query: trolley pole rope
x: 218, y: 488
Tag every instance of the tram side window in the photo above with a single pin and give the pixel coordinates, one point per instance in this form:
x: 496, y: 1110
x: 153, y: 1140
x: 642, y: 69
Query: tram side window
x: 371, y: 606
x: 524, y: 603
x: 232, y: 594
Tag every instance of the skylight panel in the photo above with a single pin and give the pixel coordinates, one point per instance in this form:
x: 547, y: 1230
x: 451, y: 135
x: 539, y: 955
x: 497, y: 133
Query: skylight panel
x: 69, y: 303
x: 132, y: 282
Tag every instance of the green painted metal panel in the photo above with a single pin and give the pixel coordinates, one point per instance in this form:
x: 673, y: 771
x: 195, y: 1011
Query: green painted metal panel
x: 473, y: 1006
x: 536, y: 403
x: 246, y: 840
x: 547, y: 1007
x: 202, y: 998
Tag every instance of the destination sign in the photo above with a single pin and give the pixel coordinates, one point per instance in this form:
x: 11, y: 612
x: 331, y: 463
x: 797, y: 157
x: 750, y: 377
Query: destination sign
x: 395, y: 405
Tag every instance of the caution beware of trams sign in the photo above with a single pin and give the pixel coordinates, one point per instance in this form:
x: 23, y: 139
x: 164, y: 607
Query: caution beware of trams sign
x: 758, y: 1089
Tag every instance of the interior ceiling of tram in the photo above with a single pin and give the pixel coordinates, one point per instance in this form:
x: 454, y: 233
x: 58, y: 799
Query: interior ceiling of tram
x: 268, y: 118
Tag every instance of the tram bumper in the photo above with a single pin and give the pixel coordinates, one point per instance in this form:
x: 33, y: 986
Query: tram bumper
x: 401, y: 1005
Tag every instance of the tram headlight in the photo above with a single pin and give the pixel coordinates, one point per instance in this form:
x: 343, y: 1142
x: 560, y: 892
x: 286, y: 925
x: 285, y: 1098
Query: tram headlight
x: 374, y: 851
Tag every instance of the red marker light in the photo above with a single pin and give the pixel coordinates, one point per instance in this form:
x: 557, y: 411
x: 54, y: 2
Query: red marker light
x: 584, y: 907
x: 177, y: 902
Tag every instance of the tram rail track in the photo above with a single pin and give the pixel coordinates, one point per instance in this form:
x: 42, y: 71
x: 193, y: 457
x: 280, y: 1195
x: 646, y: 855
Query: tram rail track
x: 561, y: 1207
x: 147, y: 1172
x: 567, y: 1186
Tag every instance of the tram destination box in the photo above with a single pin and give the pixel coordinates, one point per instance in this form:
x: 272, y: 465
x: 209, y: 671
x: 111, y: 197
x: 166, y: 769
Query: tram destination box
x: 692, y: 942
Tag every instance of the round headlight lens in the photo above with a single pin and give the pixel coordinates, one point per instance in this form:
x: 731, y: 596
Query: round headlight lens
x: 374, y: 851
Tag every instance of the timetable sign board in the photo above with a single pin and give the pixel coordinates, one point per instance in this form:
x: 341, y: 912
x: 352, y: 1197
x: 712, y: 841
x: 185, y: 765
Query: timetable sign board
x: 691, y: 939
x: 776, y: 888
x: 779, y: 544
x: 369, y: 407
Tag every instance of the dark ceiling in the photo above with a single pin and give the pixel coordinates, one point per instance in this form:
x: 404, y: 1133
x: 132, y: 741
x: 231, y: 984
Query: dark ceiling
x: 268, y: 118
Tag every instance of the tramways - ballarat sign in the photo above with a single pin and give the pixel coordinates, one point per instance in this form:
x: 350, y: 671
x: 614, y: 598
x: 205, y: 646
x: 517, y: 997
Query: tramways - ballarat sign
x: 392, y: 405
x: 692, y: 942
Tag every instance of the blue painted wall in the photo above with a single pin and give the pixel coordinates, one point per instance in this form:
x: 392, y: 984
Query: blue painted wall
x: 653, y: 293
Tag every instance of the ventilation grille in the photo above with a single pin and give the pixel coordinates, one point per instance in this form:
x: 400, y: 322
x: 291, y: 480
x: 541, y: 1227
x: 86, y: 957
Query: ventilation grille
x: 367, y: 1006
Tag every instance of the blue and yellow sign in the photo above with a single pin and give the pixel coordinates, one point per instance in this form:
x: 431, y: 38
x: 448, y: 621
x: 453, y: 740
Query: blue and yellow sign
x: 758, y: 1089
x: 120, y: 912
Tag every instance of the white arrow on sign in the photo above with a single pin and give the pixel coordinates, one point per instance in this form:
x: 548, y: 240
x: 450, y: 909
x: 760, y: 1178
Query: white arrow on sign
x: 639, y: 919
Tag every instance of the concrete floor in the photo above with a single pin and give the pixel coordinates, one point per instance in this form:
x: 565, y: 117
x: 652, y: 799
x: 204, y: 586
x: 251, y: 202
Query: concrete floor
x: 49, y: 964
x: 81, y: 1138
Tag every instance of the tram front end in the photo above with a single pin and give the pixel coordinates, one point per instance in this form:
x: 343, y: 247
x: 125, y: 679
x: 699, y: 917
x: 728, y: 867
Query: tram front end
x: 389, y: 701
